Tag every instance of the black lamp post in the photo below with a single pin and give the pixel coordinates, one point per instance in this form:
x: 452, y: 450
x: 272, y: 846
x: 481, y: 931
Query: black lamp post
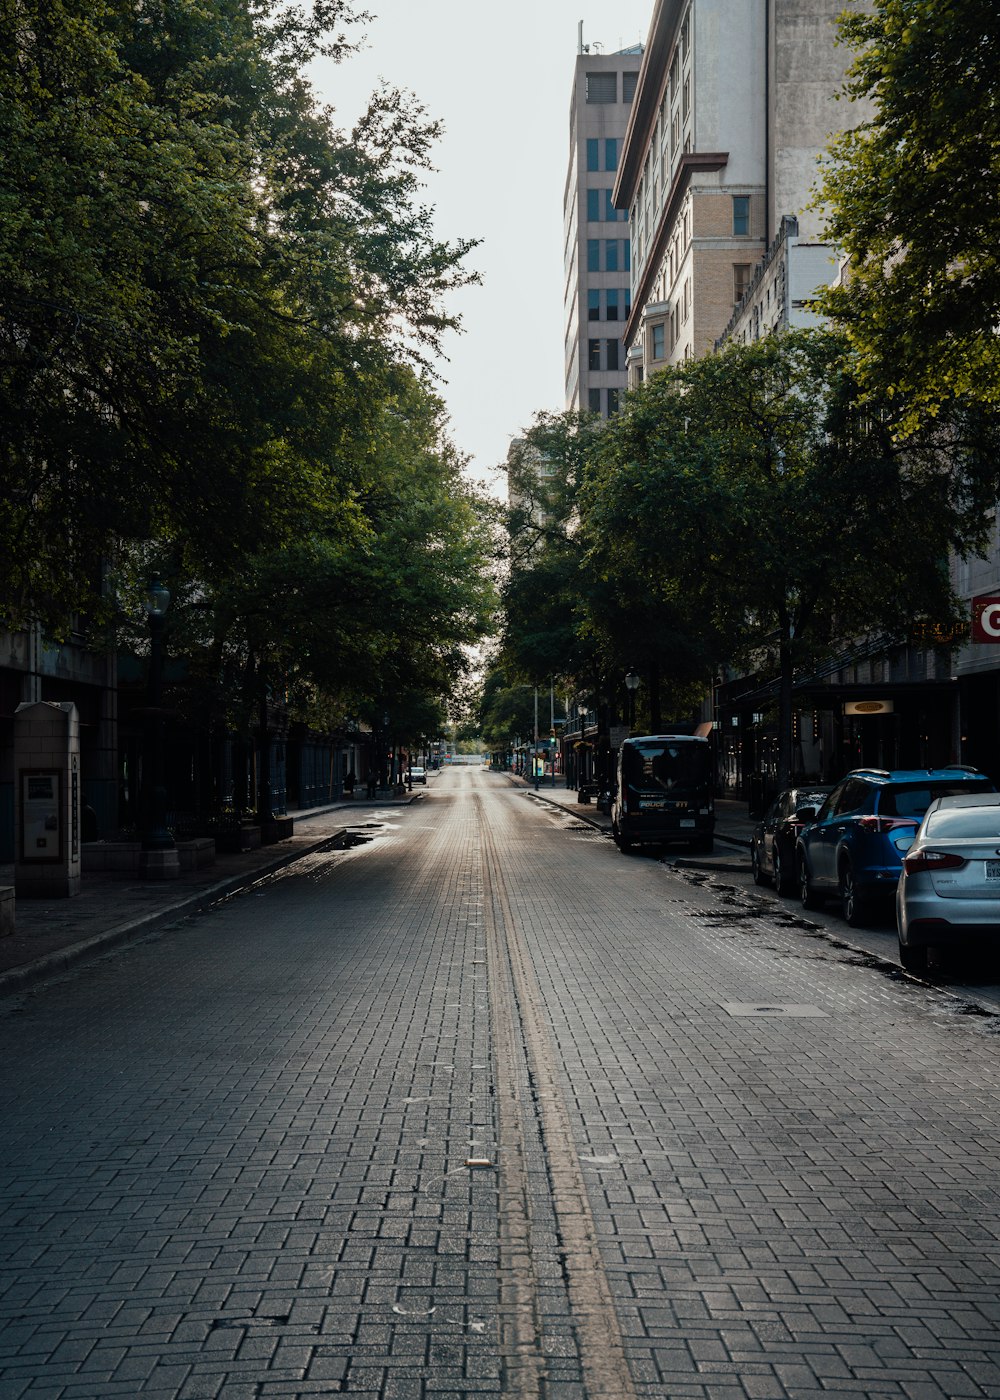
x: 158, y: 859
x: 631, y: 685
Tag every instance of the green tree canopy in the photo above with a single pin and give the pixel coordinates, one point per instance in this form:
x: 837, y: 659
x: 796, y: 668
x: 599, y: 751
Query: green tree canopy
x: 913, y: 199
x: 204, y: 286
x: 754, y: 497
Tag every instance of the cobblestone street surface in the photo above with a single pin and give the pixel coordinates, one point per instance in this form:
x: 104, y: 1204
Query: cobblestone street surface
x: 481, y: 1107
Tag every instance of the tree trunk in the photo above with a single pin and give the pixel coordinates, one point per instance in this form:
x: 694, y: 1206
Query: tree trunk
x: 785, y: 713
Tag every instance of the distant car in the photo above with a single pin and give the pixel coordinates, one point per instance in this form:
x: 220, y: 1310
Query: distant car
x: 418, y: 775
x: 772, y: 843
x: 854, y: 847
x: 949, y: 891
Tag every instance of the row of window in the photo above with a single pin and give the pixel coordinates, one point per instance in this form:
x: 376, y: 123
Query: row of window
x: 604, y: 355
x: 606, y: 402
x: 610, y: 146
x: 614, y: 302
x: 603, y: 87
x: 600, y: 209
x: 608, y: 255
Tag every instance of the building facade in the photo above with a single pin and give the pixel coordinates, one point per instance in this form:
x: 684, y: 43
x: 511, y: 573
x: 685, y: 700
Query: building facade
x: 732, y: 108
x: 597, y: 254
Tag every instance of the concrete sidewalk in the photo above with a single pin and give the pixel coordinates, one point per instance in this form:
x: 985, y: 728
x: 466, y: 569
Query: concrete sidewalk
x: 733, y: 828
x: 51, y: 934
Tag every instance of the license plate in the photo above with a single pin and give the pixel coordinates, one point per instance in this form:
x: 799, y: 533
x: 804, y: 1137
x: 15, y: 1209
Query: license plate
x: 687, y: 821
x: 993, y: 870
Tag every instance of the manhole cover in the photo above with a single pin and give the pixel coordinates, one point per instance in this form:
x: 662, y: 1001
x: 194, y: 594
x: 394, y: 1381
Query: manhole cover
x: 771, y: 1008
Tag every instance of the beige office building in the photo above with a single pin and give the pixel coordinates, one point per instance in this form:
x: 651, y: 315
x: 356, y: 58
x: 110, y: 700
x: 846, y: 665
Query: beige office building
x: 733, y: 105
x: 596, y: 250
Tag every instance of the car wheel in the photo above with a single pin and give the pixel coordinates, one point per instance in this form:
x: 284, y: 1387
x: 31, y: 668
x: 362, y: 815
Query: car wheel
x: 810, y: 899
x: 913, y: 959
x: 855, y: 909
x: 758, y: 874
x: 781, y: 880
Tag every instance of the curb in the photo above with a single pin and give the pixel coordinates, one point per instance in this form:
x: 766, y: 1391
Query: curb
x: 17, y: 978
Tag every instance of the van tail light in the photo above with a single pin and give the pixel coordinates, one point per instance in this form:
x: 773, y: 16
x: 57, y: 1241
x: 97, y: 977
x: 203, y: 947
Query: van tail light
x: 883, y: 824
x: 932, y: 861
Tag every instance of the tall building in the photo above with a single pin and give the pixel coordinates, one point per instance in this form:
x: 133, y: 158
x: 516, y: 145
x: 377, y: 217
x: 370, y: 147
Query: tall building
x: 733, y: 105
x: 597, y: 254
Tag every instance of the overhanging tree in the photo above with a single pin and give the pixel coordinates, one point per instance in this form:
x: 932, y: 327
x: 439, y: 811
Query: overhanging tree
x: 751, y: 490
x: 913, y: 199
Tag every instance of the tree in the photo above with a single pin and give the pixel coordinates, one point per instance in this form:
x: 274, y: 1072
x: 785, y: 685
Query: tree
x: 205, y: 287
x: 913, y: 199
x: 753, y: 495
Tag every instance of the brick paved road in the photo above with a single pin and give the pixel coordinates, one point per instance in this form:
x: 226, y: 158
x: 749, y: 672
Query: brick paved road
x: 236, y: 1159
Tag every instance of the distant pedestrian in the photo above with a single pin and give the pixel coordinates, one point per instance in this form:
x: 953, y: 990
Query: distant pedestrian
x: 372, y: 785
x: 349, y: 783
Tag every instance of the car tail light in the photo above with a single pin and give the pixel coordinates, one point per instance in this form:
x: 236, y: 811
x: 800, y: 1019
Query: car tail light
x: 882, y: 824
x: 932, y: 861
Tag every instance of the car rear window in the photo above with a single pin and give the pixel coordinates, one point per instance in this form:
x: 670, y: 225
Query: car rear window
x: 954, y: 823
x: 912, y: 800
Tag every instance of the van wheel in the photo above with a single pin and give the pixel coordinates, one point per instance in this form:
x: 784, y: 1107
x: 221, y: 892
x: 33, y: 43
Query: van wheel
x: 781, y: 880
x: 623, y: 842
x: 758, y: 874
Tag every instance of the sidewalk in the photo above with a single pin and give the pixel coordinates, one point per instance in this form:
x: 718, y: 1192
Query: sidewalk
x: 51, y: 934
x: 732, y: 827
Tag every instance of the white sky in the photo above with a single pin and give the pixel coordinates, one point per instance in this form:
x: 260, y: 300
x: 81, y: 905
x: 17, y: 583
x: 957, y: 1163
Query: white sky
x: 500, y: 79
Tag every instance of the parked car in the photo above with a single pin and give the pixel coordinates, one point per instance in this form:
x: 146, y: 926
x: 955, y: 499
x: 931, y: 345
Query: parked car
x: 418, y: 775
x: 772, y: 843
x: 949, y: 891
x: 855, y: 845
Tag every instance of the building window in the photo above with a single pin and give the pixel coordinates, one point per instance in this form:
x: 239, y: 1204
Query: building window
x: 612, y: 304
x: 610, y: 212
x: 594, y: 206
x: 611, y: 153
x: 593, y: 148
x: 741, y: 215
x: 629, y: 81
x: 602, y: 87
x: 687, y: 297
x: 594, y: 400
x: 659, y: 342
x: 686, y: 102
x: 741, y: 280
x: 626, y: 255
x: 675, y: 72
x: 593, y: 305
x: 593, y: 354
x: 611, y: 255
x: 593, y: 255
x: 612, y: 402
x: 611, y: 348
x: 686, y: 34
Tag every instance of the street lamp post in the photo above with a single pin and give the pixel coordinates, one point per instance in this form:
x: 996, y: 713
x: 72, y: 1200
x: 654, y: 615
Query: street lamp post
x: 631, y: 685
x: 158, y: 859
x: 583, y: 712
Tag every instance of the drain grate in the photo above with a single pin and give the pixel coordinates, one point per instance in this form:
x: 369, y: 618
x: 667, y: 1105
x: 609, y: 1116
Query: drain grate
x: 775, y: 1008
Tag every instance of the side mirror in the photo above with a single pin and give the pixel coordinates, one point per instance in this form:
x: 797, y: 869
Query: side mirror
x: 806, y: 814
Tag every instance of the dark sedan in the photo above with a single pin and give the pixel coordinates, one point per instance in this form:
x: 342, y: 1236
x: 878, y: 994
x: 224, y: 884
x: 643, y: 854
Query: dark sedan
x: 772, y: 845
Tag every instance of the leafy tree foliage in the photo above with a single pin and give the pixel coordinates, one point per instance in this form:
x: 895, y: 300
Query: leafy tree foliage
x: 751, y: 495
x: 205, y: 287
x: 914, y: 200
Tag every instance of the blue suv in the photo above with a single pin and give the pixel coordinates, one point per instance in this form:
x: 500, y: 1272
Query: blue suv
x: 853, y: 846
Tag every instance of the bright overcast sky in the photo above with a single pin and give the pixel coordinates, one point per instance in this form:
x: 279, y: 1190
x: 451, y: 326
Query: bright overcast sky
x: 500, y: 79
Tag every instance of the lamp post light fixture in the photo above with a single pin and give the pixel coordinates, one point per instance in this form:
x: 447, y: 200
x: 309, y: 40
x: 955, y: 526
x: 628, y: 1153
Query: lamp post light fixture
x: 158, y: 859
x: 631, y: 685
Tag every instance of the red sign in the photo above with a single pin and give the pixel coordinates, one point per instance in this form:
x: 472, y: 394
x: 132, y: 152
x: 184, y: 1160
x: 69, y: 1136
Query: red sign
x: 986, y: 618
